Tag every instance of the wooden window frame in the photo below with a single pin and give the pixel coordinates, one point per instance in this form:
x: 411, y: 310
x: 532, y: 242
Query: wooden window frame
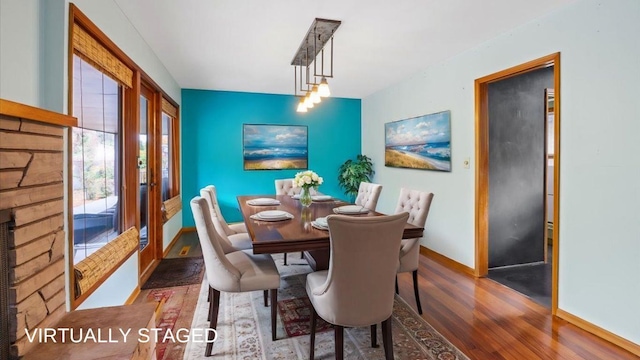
x: 130, y: 117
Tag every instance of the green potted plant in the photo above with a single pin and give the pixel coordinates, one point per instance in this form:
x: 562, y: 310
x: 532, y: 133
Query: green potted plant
x: 352, y: 173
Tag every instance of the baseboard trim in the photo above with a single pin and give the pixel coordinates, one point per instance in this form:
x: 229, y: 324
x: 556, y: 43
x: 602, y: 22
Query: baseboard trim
x: 133, y: 296
x: 189, y: 229
x: 450, y: 263
x: 599, y: 332
x: 173, y: 242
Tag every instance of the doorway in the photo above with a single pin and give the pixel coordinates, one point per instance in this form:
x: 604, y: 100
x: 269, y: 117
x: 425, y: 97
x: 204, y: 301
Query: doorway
x: 511, y: 177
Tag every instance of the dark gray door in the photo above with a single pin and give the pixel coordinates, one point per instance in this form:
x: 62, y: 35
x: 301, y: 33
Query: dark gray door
x: 517, y: 160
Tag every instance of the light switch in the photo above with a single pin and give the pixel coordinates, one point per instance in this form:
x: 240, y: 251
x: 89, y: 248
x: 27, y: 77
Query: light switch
x: 466, y: 163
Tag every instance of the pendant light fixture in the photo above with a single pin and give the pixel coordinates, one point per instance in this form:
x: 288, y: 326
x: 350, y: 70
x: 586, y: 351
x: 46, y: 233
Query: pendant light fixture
x: 319, y: 34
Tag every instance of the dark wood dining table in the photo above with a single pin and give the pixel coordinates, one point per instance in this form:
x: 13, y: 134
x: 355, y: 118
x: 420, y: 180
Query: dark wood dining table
x: 297, y: 234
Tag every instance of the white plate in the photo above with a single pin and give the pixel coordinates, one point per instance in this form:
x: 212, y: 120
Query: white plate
x: 321, y: 197
x: 351, y: 209
x: 322, y: 221
x: 272, y: 214
x: 318, y: 226
x: 296, y: 196
x: 263, y: 201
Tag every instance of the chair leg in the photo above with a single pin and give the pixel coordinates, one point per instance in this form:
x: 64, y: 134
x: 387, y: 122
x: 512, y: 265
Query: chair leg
x: 213, y: 313
x: 285, y: 258
x: 397, y: 292
x: 301, y: 254
x: 312, y: 334
x: 387, y: 339
x: 274, y: 306
x: 415, y: 290
x: 339, y: 336
x: 374, y: 336
x: 265, y: 298
x: 209, y: 300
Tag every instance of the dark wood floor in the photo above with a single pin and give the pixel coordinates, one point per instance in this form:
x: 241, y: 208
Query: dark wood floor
x: 486, y: 320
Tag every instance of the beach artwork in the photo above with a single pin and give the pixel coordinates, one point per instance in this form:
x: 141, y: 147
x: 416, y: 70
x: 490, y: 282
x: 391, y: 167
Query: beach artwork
x: 423, y: 142
x: 271, y: 147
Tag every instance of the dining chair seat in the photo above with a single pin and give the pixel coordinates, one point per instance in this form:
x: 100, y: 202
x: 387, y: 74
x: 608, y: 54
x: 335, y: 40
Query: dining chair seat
x: 238, y: 228
x: 256, y: 271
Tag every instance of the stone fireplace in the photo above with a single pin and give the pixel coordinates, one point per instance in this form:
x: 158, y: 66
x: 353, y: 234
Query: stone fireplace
x: 32, y: 190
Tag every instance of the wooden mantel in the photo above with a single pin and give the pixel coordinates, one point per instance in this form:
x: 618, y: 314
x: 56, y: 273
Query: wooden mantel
x: 11, y: 108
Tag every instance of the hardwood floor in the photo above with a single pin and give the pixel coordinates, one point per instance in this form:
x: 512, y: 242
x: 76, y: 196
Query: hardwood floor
x: 486, y: 320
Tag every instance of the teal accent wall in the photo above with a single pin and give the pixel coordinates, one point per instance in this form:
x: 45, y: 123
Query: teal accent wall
x: 212, y: 143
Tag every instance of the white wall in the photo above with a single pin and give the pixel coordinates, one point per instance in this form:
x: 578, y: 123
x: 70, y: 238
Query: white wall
x: 33, y: 71
x: 20, y: 51
x: 600, y: 141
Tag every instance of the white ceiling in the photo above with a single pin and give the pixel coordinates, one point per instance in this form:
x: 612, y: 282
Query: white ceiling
x: 248, y: 45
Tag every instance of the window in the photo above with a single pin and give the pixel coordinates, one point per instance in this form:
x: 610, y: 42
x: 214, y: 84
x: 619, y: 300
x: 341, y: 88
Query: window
x: 169, y: 151
x: 96, y: 169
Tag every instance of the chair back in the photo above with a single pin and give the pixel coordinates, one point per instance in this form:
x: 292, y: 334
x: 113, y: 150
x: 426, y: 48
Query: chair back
x: 209, y: 195
x: 416, y: 203
x: 221, y: 274
x: 368, y: 195
x: 218, y: 212
x: 362, y: 268
x: 285, y: 187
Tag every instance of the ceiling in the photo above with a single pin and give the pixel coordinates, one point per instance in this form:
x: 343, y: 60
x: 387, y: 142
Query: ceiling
x: 248, y: 45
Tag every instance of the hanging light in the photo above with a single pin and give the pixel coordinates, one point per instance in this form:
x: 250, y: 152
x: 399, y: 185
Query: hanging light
x: 307, y: 101
x: 323, y: 89
x: 320, y: 34
x: 315, y: 96
x: 301, y: 105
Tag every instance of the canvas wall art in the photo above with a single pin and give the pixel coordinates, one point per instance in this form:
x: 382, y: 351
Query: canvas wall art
x: 422, y: 142
x: 272, y: 147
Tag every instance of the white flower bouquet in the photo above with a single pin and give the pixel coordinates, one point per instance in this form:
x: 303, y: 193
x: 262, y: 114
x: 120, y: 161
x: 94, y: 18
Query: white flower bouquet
x: 307, y: 179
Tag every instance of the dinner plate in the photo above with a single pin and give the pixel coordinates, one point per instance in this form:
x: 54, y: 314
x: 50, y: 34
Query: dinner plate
x: 351, y: 209
x: 321, y: 197
x: 263, y: 201
x: 295, y: 196
x: 322, y: 221
x: 319, y: 226
x: 272, y: 214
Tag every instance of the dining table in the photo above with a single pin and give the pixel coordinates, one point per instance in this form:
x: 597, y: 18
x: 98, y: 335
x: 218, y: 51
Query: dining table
x: 297, y: 233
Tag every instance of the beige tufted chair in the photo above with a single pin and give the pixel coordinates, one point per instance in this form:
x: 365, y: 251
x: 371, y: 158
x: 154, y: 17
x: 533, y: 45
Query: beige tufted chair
x: 368, y: 195
x: 358, y: 291
x: 285, y: 187
x: 231, y: 238
x: 238, y: 271
x: 417, y: 204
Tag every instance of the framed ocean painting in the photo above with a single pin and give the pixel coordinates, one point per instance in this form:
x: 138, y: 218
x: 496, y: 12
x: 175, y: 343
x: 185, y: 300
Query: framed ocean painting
x: 274, y: 147
x: 422, y: 142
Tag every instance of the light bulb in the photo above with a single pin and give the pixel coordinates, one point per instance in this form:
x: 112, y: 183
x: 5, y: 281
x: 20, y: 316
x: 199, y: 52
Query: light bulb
x: 307, y: 101
x: 301, y: 106
x: 315, y: 97
x: 323, y: 89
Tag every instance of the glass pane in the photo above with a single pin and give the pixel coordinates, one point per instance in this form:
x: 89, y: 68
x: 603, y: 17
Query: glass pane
x: 143, y: 171
x: 166, y: 156
x: 95, y: 161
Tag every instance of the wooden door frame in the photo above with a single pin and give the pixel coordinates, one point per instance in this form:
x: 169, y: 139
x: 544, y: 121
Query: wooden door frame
x: 482, y: 168
x: 154, y: 237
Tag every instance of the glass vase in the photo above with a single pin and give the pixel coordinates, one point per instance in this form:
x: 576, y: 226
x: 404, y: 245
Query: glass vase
x: 305, y: 197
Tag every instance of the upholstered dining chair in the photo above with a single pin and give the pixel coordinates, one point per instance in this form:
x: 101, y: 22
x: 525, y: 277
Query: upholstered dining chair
x: 417, y: 204
x: 231, y: 239
x: 368, y: 195
x: 285, y: 187
x: 238, y: 271
x: 358, y: 291
x: 229, y: 229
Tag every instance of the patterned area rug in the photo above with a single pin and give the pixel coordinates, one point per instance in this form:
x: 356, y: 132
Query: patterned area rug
x: 176, y: 272
x: 178, y: 306
x: 244, y: 330
x: 296, y: 316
